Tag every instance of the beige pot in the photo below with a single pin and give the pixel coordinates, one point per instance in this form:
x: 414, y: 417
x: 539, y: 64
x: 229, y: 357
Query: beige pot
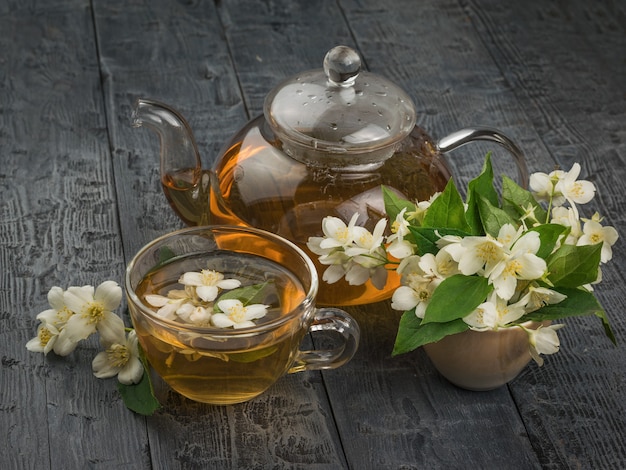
x: 482, y: 360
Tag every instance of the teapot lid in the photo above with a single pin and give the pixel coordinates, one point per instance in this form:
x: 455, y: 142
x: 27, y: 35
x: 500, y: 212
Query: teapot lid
x: 339, y: 115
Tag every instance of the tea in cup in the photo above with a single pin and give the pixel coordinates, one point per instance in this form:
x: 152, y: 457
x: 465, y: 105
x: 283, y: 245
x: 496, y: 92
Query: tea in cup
x: 220, y: 312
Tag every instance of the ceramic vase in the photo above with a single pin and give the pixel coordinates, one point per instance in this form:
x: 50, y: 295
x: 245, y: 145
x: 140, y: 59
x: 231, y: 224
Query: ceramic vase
x: 480, y: 361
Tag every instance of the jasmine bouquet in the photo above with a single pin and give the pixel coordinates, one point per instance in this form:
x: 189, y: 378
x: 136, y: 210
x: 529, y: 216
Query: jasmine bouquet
x: 485, y: 263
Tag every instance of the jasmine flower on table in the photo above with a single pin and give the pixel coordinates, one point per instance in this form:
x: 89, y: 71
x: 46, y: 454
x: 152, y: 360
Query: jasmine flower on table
x: 52, y: 321
x: 93, y: 311
x: 121, y: 358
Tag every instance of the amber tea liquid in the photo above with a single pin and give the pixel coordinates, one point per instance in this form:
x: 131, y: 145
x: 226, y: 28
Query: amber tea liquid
x: 257, y: 185
x: 207, y: 365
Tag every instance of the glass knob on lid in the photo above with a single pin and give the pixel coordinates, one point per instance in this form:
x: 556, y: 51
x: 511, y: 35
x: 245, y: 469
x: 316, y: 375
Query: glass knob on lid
x: 340, y: 116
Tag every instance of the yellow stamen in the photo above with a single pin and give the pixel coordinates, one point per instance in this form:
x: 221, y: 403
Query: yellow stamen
x: 237, y: 313
x: 209, y: 277
x: 44, y: 336
x: 93, y: 312
x: 118, y: 355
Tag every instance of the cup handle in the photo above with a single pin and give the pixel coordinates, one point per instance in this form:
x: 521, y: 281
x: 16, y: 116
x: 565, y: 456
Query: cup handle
x: 470, y: 134
x: 329, y: 320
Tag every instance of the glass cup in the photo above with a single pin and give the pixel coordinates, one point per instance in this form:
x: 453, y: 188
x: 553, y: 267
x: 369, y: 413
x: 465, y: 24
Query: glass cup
x: 232, y: 365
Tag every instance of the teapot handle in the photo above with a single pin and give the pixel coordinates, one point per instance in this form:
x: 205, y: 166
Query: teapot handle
x: 470, y: 134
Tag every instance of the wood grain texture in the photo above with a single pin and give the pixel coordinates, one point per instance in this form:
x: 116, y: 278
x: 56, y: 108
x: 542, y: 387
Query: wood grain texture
x: 566, y: 64
x: 58, y: 227
x: 80, y: 194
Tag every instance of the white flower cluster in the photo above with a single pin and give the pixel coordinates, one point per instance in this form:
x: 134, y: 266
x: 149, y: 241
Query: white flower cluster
x: 509, y: 260
x: 195, y: 304
x: 76, y: 314
x: 560, y: 187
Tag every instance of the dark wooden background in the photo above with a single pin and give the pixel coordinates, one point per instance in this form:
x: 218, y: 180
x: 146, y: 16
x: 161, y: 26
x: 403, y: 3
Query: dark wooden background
x: 80, y: 194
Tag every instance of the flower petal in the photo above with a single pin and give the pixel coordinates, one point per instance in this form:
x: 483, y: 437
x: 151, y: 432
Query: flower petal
x: 222, y: 321
x: 101, y: 366
x: 109, y: 293
x: 111, y: 329
x: 132, y: 372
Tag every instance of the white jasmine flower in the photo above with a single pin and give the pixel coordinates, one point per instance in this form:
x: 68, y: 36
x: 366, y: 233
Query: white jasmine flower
x: 538, y: 297
x: 47, y: 335
x: 120, y: 358
x: 560, y: 186
x: 52, y: 322
x: 367, y: 248
x: 399, y: 247
x: 416, y: 289
x: 339, y: 264
x: 175, y: 300
x: 594, y: 232
x: 495, y: 313
x: 365, y: 259
x: 568, y: 217
x: 93, y: 311
x: 420, y: 209
x: 337, y: 233
x: 237, y: 315
x: 575, y: 191
x: 195, y: 314
x: 475, y: 253
x: 544, y: 188
x: 207, y: 283
x: 522, y: 263
x: 439, y: 266
x: 357, y: 274
x: 543, y: 340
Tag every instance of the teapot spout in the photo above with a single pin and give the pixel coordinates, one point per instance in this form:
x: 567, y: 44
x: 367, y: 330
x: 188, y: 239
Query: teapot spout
x: 184, y: 183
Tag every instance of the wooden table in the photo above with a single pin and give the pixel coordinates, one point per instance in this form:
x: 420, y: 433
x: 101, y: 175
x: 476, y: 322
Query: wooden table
x: 80, y: 194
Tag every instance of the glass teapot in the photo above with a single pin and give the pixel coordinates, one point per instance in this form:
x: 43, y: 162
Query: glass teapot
x: 327, y: 141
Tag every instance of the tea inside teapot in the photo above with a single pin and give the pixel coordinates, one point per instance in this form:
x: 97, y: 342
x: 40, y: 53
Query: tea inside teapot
x: 327, y: 142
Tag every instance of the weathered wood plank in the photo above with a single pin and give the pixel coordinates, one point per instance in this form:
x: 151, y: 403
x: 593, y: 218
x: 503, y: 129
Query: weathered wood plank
x: 58, y: 226
x: 176, y: 53
x: 565, y: 63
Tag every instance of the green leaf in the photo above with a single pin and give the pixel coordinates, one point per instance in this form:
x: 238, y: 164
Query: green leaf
x: 574, y: 266
x: 251, y: 356
x: 516, y: 199
x: 456, y: 297
x: 578, y: 303
x: 492, y: 217
x: 549, y: 235
x: 481, y: 186
x: 447, y: 210
x: 394, y: 203
x: 165, y: 254
x: 426, y: 238
x: 247, y: 295
x: 413, y: 333
x: 140, y: 397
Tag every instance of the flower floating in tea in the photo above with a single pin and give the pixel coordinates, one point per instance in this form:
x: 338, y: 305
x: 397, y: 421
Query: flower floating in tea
x: 484, y: 264
x: 196, y: 304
